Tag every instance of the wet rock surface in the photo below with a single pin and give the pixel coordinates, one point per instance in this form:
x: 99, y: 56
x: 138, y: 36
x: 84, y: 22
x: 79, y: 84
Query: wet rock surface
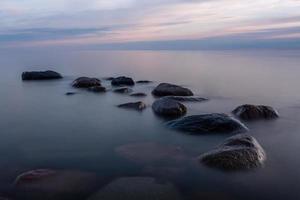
x: 168, y: 108
x: 86, y: 82
x: 208, y: 123
x: 139, y: 106
x: 139, y: 94
x: 137, y: 188
x: 166, y: 89
x: 255, y: 112
x: 144, y: 82
x: 187, y: 99
x: 236, y: 153
x: 123, y: 80
x: 41, y: 75
x: 97, y: 89
x: 123, y: 90
x: 70, y: 93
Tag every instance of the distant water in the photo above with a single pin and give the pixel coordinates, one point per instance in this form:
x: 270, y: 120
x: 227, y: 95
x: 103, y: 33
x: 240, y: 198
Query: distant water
x: 41, y: 127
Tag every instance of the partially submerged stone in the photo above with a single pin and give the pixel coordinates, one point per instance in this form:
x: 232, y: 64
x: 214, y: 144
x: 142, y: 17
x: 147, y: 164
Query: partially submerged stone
x: 97, y: 89
x: 86, y: 82
x: 122, y: 80
x: 143, y: 82
x: 139, y: 94
x: 208, y: 123
x: 41, y: 75
x: 168, y: 107
x: 254, y: 112
x: 236, y: 153
x: 70, y: 93
x: 187, y: 99
x: 135, y: 106
x: 137, y: 188
x: 166, y: 89
x: 123, y: 90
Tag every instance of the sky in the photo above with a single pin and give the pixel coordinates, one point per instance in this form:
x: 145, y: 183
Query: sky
x: 157, y: 24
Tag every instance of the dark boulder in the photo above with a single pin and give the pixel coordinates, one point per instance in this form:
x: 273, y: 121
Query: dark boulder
x: 208, y: 123
x: 135, y: 106
x: 140, y: 94
x: 122, y: 81
x: 86, y: 82
x: 143, y: 82
x: 123, y: 90
x: 70, y: 93
x: 166, y: 89
x: 168, y: 108
x: 236, y: 153
x: 40, y: 75
x: 97, y: 89
x: 187, y: 99
x: 253, y: 112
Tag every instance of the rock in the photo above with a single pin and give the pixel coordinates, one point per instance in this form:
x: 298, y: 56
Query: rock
x: 168, y: 107
x: 123, y: 90
x: 136, y: 106
x: 137, y: 188
x: 86, y: 82
x: 236, y: 153
x: 97, y: 89
x: 50, y: 184
x: 144, y: 82
x: 166, y: 89
x: 138, y: 94
x: 151, y: 153
x: 253, y: 112
x: 40, y: 75
x: 70, y: 93
x: 122, y: 81
x: 187, y: 99
x: 208, y: 123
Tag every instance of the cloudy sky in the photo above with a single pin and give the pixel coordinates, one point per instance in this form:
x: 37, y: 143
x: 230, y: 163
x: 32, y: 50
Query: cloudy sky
x: 156, y: 23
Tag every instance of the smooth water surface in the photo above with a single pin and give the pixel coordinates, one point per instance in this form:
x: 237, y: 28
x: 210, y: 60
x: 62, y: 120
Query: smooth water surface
x: 41, y: 127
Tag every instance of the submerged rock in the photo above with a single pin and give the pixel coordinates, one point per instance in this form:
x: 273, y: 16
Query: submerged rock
x: 144, y: 82
x: 54, y: 185
x: 136, y: 106
x: 238, y: 152
x: 140, y: 94
x: 97, y: 89
x: 137, y: 188
x: 86, y: 82
x: 70, y: 93
x: 187, y: 99
x: 40, y: 75
x: 168, y: 107
x: 151, y: 153
x: 123, y: 90
x: 166, y: 89
x: 208, y: 123
x: 119, y: 81
x: 252, y: 112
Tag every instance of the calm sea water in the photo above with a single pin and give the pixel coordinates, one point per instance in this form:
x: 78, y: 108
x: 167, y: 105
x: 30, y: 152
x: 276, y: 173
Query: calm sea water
x: 41, y: 127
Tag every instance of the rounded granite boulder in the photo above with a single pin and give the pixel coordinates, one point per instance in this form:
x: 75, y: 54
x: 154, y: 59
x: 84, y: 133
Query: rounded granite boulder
x: 86, y: 82
x: 254, y: 112
x: 122, y: 80
x: 168, y: 107
x: 166, y: 89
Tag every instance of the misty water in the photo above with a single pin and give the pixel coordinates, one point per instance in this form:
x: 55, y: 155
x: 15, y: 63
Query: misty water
x: 41, y: 127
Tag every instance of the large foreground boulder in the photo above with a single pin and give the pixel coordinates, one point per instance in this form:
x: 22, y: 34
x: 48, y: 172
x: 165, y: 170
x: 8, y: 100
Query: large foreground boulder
x: 253, y: 112
x: 168, y: 108
x: 86, y: 82
x: 208, y: 123
x: 40, y: 75
x: 137, y: 188
x: 238, y: 152
x: 166, y: 89
x: 122, y: 80
x: 139, y: 106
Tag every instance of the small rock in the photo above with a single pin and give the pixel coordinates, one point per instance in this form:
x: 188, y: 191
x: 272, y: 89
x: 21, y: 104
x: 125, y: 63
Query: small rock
x: 138, y: 94
x: 137, y: 188
x: 86, y: 82
x: 166, y: 89
x: 40, y: 75
x: 122, y: 81
x: 144, y: 82
x: 187, y: 99
x: 124, y: 90
x: 70, y: 93
x: 136, y: 106
x: 236, y: 153
x: 208, y: 123
x: 168, y: 107
x: 97, y: 89
x: 253, y: 112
